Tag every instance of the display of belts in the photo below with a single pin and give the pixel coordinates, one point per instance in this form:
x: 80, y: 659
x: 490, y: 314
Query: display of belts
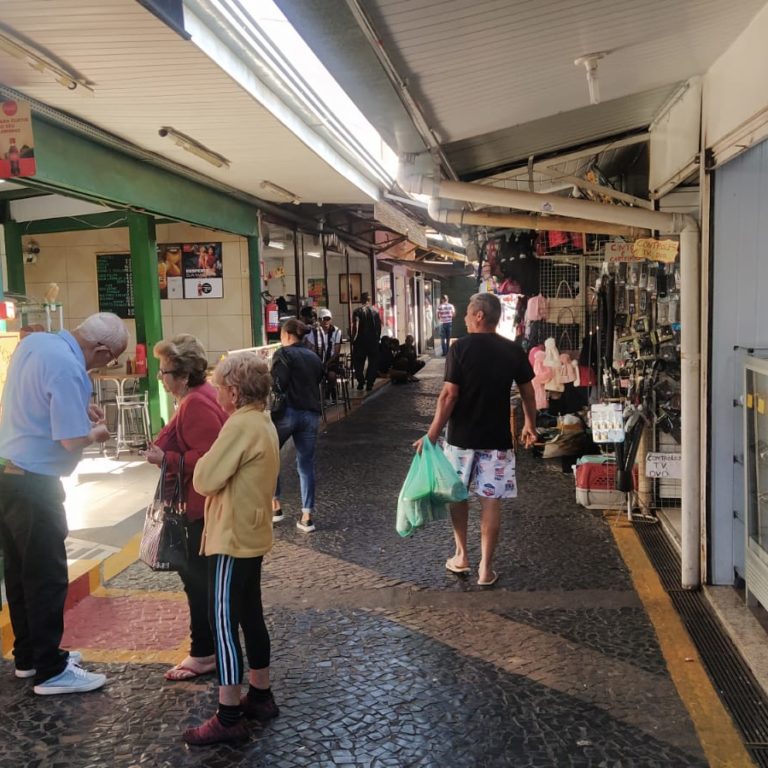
x: 599, y: 317
x: 756, y: 479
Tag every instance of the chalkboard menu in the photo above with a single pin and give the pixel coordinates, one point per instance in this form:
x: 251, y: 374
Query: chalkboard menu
x: 113, y: 271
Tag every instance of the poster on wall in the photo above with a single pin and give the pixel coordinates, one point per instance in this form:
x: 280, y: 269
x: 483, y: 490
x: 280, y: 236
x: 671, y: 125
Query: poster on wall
x: 355, y: 287
x: 202, y: 269
x: 115, y: 284
x: 169, y: 271
x: 17, y: 145
x: 316, y: 291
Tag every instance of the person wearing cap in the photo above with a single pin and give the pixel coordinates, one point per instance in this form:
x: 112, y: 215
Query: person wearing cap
x: 325, y: 340
x: 366, y: 332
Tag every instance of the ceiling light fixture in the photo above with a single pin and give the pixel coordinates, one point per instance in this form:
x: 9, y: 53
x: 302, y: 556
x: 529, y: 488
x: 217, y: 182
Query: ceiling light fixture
x: 590, y: 64
x: 314, y: 254
x: 281, y: 191
x: 37, y: 62
x: 436, y: 262
x: 194, y: 147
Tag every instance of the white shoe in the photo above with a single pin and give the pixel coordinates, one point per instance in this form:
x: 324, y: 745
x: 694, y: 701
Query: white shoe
x: 73, y: 679
x: 75, y: 657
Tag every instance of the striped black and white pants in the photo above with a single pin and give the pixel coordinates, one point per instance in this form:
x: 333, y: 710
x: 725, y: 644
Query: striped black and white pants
x: 234, y: 600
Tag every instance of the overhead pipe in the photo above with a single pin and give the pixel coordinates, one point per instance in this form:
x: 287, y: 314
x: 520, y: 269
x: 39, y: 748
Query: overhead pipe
x: 690, y: 355
x: 542, y: 203
x: 532, y: 221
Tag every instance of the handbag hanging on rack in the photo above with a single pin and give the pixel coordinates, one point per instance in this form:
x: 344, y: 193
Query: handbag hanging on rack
x: 164, y: 538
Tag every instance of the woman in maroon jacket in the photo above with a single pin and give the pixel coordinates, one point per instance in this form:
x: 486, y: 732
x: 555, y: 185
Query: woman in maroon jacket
x: 190, y: 433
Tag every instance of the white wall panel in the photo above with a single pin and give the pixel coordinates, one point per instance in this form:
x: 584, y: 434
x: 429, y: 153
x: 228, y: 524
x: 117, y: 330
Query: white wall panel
x: 739, y: 319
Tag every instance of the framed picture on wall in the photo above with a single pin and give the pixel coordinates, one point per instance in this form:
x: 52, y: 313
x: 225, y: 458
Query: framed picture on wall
x: 355, y: 287
x: 316, y: 291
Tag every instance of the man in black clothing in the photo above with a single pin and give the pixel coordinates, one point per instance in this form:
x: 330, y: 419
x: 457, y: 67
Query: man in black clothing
x: 474, y: 402
x: 366, y: 331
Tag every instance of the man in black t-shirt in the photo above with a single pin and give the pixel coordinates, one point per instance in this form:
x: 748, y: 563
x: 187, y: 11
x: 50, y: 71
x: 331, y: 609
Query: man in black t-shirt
x: 474, y: 401
x: 366, y: 332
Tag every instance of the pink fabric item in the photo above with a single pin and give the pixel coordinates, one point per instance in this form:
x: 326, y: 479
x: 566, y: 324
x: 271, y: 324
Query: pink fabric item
x: 542, y: 374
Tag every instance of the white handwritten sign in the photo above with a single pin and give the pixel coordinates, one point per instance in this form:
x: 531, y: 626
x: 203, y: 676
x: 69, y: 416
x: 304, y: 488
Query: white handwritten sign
x: 663, y: 465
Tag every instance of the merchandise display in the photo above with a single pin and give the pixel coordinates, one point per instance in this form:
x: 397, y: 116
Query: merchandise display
x: 601, y: 323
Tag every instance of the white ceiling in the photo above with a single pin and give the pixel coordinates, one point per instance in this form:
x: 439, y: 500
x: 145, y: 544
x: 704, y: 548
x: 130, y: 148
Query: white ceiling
x: 145, y: 76
x: 495, y: 79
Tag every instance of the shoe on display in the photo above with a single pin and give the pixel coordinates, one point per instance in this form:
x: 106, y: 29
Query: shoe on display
x: 75, y: 657
x: 260, y: 710
x: 212, y: 731
x: 73, y: 679
x: 306, y: 525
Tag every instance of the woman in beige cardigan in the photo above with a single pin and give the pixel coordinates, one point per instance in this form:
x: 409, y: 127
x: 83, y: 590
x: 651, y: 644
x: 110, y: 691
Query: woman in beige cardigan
x: 238, y: 476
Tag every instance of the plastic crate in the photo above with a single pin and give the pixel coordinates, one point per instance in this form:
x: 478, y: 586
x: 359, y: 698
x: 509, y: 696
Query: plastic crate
x: 596, y: 486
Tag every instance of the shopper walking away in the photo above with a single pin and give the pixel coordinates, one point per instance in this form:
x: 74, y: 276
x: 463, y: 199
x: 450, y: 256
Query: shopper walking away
x: 46, y: 423
x: 189, y: 435
x: 474, y: 402
x: 297, y: 372
x: 366, y: 331
x: 445, y: 314
x: 237, y: 475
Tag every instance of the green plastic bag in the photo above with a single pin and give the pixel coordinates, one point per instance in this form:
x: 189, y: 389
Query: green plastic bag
x: 429, y: 470
x: 446, y: 484
x: 412, y: 515
x: 419, y: 480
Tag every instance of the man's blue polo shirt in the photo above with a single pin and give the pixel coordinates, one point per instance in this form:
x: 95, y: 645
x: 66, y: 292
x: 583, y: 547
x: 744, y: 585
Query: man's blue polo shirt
x: 45, y: 400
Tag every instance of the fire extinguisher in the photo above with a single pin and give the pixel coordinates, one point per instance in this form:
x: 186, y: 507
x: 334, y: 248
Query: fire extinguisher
x: 273, y: 320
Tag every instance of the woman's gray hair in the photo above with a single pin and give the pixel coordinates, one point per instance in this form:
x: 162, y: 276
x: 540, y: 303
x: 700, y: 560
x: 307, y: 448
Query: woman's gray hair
x: 249, y: 373
x: 489, y: 305
x: 187, y: 356
x: 107, y: 329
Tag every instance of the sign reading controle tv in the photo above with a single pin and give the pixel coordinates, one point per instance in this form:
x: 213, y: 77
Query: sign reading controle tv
x: 190, y: 271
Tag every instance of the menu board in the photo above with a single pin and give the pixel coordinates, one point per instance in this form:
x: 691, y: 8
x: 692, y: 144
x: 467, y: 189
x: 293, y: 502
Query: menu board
x: 115, y: 279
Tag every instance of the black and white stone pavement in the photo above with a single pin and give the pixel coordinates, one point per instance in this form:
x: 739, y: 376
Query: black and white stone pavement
x: 382, y: 658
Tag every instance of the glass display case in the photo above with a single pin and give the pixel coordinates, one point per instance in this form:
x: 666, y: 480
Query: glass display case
x: 756, y: 479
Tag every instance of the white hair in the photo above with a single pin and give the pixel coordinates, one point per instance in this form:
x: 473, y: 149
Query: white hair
x: 104, y: 328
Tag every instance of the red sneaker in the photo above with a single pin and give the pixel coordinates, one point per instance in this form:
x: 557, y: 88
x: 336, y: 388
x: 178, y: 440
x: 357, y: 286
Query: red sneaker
x: 259, y: 710
x: 213, y: 732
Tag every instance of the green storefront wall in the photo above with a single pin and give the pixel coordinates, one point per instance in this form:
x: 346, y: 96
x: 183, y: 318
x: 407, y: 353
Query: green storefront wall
x: 73, y: 164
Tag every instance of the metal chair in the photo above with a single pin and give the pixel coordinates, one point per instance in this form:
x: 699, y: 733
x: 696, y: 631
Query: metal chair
x: 133, y: 430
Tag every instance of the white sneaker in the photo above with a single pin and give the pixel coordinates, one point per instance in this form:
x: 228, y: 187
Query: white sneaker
x: 73, y: 679
x: 278, y: 516
x: 75, y: 657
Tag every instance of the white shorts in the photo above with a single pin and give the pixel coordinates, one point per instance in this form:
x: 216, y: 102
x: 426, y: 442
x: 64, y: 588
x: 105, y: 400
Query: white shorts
x: 490, y: 474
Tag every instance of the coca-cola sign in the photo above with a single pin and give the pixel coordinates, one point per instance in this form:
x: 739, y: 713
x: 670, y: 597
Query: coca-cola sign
x: 17, y: 146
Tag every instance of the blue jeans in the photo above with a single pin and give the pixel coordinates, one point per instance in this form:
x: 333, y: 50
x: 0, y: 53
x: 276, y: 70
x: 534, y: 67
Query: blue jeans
x: 445, y: 336
x: 302, y: 427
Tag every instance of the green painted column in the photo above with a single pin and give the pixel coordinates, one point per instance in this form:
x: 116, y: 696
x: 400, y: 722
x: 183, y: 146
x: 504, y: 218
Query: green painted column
x: 254, y: 284
x: 14, y: 256
x: 146, y: 297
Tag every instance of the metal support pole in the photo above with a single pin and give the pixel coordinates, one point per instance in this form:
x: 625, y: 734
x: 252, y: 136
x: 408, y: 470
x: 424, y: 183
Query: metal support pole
x: 690, y: 369
x: 146, y: 294
x: 14, y: 256
x: 254, y: 286
x: 297, y: 267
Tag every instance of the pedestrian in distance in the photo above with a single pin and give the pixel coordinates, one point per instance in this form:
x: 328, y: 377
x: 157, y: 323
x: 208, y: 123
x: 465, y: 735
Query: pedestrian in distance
x: 325, y: 340
x: 47, y: 420
x: 237, y: 476
x: 297, y: 372
x: 445, y: 314
x: 474, y: 403
x: 366, y: 332
x: 189, y: 435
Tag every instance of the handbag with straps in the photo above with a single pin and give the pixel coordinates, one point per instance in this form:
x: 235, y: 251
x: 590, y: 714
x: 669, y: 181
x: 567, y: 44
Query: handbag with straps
x: 164, y: 545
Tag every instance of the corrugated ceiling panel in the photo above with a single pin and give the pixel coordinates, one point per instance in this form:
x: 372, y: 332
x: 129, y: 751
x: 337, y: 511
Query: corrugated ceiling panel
x: 478, y: 67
